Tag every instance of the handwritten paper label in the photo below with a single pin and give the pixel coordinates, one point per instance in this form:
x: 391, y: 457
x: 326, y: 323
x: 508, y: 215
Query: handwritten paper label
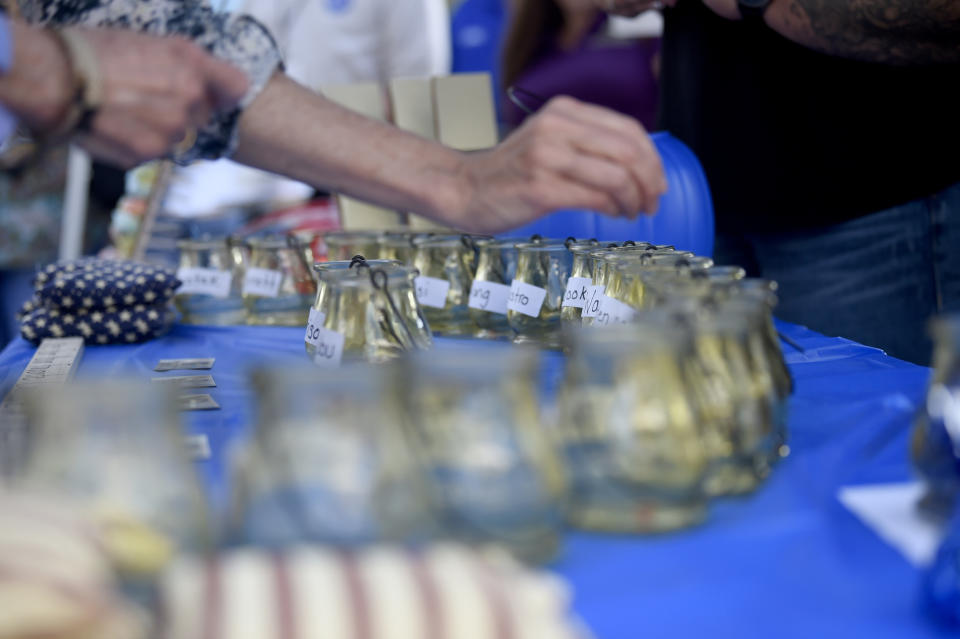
x: 613, y: 311
x: 576, y: 295
x: 263, y: 282
x: 432, y: 291
x: 594, y: 294
x: 329, y: 348
x: 489, y: 296
x: 204, y: 281
x: 314, y: 326
x: 526, y: 299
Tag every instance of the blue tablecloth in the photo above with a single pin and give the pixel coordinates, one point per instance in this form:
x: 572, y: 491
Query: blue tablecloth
x: 788, y: 561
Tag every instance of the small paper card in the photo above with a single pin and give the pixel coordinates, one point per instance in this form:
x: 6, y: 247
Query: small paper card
x: 329, y: 348
x: 204, y: 281
x: 198, y: 446
x: 613, y: 311
x: 526, y: 299
x: 432, y: 291
x: 262, y: 282
x: 187, y: 381
x: 199, y: 364
x: 576, y: 295
x: 489, y: 296
x: 198, y: 402
x: 314, y: 326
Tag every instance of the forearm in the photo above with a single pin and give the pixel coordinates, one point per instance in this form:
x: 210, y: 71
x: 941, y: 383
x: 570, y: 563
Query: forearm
x: 889, y: 31
x: 294, y: 132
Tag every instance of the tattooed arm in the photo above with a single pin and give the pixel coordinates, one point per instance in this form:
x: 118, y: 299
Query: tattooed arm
x: 891, y: 31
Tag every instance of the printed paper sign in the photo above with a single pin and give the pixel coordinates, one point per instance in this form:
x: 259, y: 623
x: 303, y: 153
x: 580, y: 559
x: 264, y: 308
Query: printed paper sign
x: 262, y: 282
x: 526, y: 299
x: 329, y: 349
x: 432, y: 291
x: 489, y: 296
x: 577, y: 289
x: 594, y: 296
x: 314, y: 326
x: 204, y: 281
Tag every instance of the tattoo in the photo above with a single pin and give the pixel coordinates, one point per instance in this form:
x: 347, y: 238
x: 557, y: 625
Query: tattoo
x: 891, y: 31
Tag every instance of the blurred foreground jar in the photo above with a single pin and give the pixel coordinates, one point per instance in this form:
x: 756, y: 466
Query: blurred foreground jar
x: 627, y: 281
x: 343, y: 245
x: 278, y: 286
x: 329, y: 463
x: 490, y: 291
x: 117, y: 448
x: 211, y: 272
x: 935, y: 446
x: 630, y: 430
x: 447, y: 265
x: 365, y: 310
x: 494, y: 466
x: 537, y: 292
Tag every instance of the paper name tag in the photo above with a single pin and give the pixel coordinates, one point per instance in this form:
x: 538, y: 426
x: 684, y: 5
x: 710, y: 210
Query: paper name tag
x: 204, y: 281
x: 576, y: 295
x: 198, y: 364
x: 594, y: 293
x: 526, y: 299
x: 187, y: 381
x: 329, y: 348
x: 314, y: 326
x: 489, y: 296
x: 262, y: 281
x: 614, y: 311
x: 432, y: 291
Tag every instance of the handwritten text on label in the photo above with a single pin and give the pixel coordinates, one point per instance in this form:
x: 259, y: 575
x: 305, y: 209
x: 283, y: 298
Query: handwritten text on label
x: 262, y: 281
x: 204, y: 281
x: 314, y: 326
x: 594, y: 293
x: 526, y: 299
x: 432, y: 291
x: 489, y: 296
x: 576, y: 294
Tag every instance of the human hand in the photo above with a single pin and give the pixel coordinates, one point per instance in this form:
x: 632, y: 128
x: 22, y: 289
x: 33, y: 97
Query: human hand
x: 631, y: 8
x: 569, y: 155
x: 155, y: 91
x: 724, y: 8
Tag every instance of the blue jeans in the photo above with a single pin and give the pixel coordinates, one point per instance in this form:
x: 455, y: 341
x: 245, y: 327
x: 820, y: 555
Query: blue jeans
x: 876, y: 279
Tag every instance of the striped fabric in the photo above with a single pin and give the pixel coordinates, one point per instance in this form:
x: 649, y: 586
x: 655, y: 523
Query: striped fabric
x: 446, y: 592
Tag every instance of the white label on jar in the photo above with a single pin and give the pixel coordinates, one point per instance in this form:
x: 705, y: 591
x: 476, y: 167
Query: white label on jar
x: 314, y: 326
x: 489, y: 296
x: 576, y: 295
x: 613, y: 311
x: 329, y: 348
x: 526, y: 299
x: 432, y: 291
x: 263, y: 282
x: 594, y: 295
x: 204, y: 281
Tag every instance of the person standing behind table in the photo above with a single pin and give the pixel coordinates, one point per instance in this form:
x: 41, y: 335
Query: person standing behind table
x: 829, y: 131
x: 561, y: 47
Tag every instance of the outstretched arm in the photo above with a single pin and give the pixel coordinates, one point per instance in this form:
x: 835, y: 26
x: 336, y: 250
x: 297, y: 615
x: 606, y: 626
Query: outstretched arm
x: 571, y: 155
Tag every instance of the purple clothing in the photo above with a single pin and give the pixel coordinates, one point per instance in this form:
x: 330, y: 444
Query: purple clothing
x: 617, y: 74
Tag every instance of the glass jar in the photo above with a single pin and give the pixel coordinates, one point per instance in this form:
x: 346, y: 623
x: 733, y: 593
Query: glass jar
x: 935, y: 443
x: 537, y: 293
x: 446, y: 264
x: 278, y: 285
x: 400, y: 246
x: 117, y: 448
x: 211, y: 272
x: 495, y: 469
x: 315, y: 248
x: 490, y: 291
x: 603, y: 264
x: 579, y: 283
x: 343, y: 245
x: 630, y: 431
x: 631, y: 282
x: 366, y: 312
x: 329, y: 463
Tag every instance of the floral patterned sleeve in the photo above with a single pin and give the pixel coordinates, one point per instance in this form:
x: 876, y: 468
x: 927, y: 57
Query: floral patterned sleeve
x: 238, y: 39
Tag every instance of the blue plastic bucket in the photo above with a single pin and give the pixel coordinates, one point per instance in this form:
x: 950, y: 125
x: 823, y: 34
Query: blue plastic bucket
x: 685, y: 218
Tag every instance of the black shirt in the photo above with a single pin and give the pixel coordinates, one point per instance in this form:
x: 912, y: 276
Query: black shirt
x: 791, y: 138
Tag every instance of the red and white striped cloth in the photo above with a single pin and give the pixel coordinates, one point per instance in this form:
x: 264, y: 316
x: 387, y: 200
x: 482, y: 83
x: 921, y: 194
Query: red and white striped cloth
x: 55, y: 577
x: 446, y: 592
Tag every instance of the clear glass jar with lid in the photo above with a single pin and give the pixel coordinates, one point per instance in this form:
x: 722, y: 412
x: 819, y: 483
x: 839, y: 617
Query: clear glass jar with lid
x: 343, y: 245
x: 447, y: 264
x: 211, y: 271
x: 278, y: 285
x: 537, y: 292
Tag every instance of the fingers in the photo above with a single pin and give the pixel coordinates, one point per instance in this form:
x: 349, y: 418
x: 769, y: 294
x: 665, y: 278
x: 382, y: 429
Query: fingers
x: 616, y: 140
x: 224, y: 83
